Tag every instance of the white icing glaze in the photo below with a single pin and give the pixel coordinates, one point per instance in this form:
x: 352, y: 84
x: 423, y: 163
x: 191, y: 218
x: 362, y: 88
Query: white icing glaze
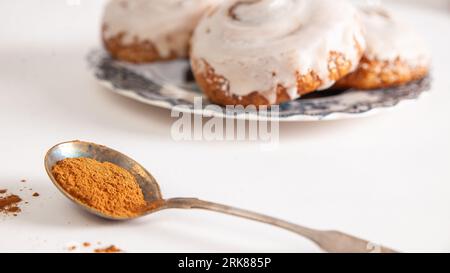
x: 389, y: 38
x: 260, y: 44
x: 168, y: 24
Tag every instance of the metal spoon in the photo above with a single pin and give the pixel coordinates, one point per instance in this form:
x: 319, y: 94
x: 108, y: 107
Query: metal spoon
x: 329, y: 241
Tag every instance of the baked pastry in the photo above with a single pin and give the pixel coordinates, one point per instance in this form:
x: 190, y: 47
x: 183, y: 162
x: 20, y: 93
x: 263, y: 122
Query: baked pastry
x: 142, y: 31
x: 395, y: 53
x: 264, y: 52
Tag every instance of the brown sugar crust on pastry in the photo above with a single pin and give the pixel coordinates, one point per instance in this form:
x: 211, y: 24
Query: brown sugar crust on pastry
x: 217, y: 88
x: 374, y: 74
x: 134, y: 52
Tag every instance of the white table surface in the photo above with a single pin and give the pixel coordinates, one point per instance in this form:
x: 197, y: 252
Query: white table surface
x: 384, y: 178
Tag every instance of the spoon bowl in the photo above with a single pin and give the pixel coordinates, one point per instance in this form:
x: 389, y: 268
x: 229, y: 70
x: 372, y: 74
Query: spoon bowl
x: 80, y: 149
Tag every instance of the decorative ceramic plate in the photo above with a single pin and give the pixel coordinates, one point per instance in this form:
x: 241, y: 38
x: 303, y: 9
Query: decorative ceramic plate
x: 171, y: 85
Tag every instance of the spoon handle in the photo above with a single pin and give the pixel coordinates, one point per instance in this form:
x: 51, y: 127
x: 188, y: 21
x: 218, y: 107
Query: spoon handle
x: 329, y: 241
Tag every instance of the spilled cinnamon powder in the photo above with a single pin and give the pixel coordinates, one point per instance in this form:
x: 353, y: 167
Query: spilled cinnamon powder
x: 102, y: 186
x: 110, y: 249
x: 10, y: 204
x: 72, y: 248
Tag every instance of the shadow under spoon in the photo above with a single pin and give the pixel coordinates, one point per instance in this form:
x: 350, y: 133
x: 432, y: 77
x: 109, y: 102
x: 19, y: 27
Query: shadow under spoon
x: 329, y: 241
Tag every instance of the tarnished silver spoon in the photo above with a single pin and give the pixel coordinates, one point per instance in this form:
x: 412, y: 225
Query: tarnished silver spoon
x: 329, y: 241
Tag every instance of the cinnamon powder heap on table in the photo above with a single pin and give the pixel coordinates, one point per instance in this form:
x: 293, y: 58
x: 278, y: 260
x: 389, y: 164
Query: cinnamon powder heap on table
x: 9, y: 204
x: 110, y: 249
x: 102, y: 186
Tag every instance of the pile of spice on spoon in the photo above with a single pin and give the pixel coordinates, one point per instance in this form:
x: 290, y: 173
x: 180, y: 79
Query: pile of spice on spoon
x: 103, y: 186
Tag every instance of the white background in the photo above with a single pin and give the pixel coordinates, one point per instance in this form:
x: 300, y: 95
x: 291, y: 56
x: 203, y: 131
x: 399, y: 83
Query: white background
x: 384, y: 178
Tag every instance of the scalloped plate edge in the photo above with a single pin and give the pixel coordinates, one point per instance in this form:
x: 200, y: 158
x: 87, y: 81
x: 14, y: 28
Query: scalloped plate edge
x: 254, y: 117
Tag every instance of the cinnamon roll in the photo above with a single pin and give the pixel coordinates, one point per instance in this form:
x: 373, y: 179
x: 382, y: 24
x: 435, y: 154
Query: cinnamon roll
x: 264, y: 52
x: 395, y: 53
x: 141, y: 31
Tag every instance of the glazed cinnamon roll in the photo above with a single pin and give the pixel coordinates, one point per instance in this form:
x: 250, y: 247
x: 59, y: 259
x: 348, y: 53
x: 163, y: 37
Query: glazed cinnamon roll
x: 395, y: 53
x: 264, y: 52
x: 151, y: 30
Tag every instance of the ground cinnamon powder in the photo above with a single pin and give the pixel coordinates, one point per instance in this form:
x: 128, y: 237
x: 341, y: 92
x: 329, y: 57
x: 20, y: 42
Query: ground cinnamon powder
x: 103, y: 186
x: 110, y: 249
x: 9, y: 204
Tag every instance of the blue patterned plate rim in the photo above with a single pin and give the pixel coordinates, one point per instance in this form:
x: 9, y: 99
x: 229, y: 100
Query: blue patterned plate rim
x: 171, y: 86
